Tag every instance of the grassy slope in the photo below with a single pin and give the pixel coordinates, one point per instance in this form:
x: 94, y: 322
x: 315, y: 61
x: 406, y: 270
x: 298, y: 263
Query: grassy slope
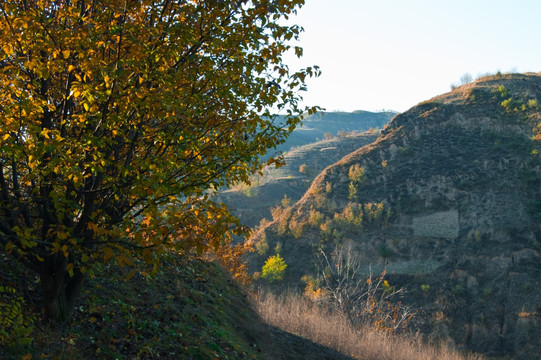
x: 190, y: 310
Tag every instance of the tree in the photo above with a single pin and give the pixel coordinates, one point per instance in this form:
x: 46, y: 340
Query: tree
x: 274, y: 268
x: 120, y: 118
x: 365, y: 301
x: 466, y: 79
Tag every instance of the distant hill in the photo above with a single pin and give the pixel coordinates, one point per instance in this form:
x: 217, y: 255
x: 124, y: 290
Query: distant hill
x: 323, y: 139
x: 314, y: 128
x: 448, y: 201
x: 302, y: 165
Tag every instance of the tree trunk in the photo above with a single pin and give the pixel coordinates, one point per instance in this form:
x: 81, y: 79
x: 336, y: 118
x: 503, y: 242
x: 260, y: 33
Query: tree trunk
x: 59, y: 289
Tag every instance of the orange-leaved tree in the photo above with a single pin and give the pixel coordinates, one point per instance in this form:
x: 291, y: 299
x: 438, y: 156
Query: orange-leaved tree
x: 119, y: 118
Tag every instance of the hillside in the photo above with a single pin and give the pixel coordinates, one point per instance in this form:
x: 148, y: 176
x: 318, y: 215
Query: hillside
x: 324, y: 124
x: 191, y: 309
x: 448, y: 201
x: 252, y: 203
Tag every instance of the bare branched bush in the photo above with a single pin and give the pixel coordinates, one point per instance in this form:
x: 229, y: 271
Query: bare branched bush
x: 363, y: 300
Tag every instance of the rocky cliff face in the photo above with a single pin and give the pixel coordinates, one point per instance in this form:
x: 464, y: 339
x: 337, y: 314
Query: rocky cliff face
x: 448, y: 196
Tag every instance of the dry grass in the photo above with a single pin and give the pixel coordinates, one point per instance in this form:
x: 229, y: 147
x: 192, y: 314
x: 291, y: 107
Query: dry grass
x: 300, y: 316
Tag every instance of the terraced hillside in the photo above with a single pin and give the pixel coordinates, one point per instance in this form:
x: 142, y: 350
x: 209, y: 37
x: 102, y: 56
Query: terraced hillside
x: 302, y: 165
x: 324, y: 124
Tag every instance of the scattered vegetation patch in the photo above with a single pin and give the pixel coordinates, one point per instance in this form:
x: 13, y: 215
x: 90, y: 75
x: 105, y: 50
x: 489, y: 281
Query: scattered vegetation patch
x: 16, y: 321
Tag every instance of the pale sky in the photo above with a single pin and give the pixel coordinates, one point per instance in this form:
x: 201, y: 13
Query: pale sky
x: 394, y: 54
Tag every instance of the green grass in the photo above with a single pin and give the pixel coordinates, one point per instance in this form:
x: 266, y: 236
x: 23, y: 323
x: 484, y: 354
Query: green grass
x: 189, y: 310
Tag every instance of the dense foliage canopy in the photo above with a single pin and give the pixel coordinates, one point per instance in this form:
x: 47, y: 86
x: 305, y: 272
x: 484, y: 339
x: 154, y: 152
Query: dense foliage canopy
x: 119, y: 118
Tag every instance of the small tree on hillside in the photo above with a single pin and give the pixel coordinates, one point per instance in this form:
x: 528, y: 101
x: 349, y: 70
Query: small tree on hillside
x: 364, y: 300
x: 466, y: 79
x: 274, y: 268
x: 120, y: 117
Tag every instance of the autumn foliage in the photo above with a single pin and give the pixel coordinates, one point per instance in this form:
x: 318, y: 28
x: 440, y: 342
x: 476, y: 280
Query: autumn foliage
x: 120, y: 118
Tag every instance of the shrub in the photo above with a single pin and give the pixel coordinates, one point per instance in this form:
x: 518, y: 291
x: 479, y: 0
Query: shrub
x: 356, y: 173
x: 286, y: 201
x: 365, y: 301
x: 274, y: 268
x: 320, y: 200
x: 315, y: 218
x: 326, y: 228
x: 328, y: 187
x: 352, y: 191
x: 232, y: 258
x: 261, y: 245
x: 281, y: 215
x: 296, y: 227
x: 15, y: 325
x: 466, y: 79
x: 313, y: 290
x: 353, y: 214
x: 373, y: 211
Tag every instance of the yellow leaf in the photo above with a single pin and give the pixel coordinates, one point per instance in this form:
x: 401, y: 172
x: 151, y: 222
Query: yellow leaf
x: 86, y: 106
x: 69, y: 268
x: 66, y: 54
x: 8, y: 49
x: 71, y: 68
x: 6, y: 136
